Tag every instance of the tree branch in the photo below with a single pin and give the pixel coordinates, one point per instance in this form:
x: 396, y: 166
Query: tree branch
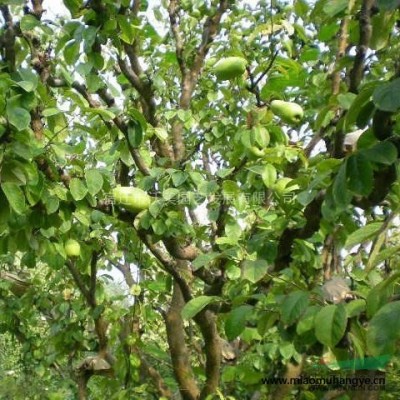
x: 37, y: 7
x: 147, y: 100
x: 212, y: 347
x: 93, y: 279
x: 126, y: 272
x: 8, y: 38
x: 89, y: 295
x: 357, y: 71
x: 155, y: 376
x: 177, y: 250
x: 170, y: 265
x: 191, y: 76
x: 173, y: 11
x: 78, y: 279
x: 120, y: 124
x: 312, y: 214
x: 342, y: 45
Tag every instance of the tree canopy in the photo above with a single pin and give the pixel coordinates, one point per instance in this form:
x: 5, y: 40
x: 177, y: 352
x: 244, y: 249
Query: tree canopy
x: 235, y: 162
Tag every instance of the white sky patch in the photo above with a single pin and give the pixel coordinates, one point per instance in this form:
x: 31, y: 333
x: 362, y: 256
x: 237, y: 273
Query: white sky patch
x: 55, y: 8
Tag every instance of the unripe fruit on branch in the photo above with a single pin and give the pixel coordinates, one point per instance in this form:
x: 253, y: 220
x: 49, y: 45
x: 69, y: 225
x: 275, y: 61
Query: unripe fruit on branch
x: 291, y: 113
x: 72, y: 248
x: 131, y: 198
x: 255, y: 140
x: 229, y: 68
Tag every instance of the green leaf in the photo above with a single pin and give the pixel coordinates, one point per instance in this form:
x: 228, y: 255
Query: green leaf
x: 362, y: 234
x: 385, y: 254
x: 382, y: 27
x: 15, y: 196
x: 135, y: 134
x: 330, y: 324
x: 127, y: 29
x: 179, y: 177
x: 94, y: 181
x: 12, y: 2
x: 359, y: 173
x: 269, y: 175
x: 107, y: 115
x: 71, y: 52
x: 383, y: 330
x: 306, y: 322
x: 230, y: 189
x: 18, y: 117
x: 203, y: 259
x: 52, y: 204
x: 333, y: 7
x: 358, y: 103
x: 355, y: 307
x: 380, y: 294
x: 253, y: 271
x: 257, y: 169
x: 386, y: 96
x: 388, y: 5
x: 138, y: 117
x: 381, y: 153
x: 195, y: 305
x: 208, y: 188
x: 161, y: 133
x: 159, y: 227
x: 340, y: 193
x: 236, y: 321
x: 29, y: 80
x: 345, y: 100
x: 28, y: 22
x: 170, y: 193
x: 94, y: 83
x: 78, y: 189
x: 73, y: 6
x: 287, y: 350
x: 260, y: 136
x: 48, y: 112
x: 293, y: 306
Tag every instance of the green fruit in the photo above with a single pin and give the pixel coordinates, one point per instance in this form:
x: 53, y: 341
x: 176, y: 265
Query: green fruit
x: 256, y: 152
x: 229, y: 68
x: 72, y: 248
x: 291, y: 113
x: 131, y: 198
x: 255, y: 141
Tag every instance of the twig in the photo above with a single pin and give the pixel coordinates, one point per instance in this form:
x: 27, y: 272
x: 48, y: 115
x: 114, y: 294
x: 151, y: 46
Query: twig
x: 253, y: 87
x: 268, y: 68
x: 93, y: 278
x: 78, y: 279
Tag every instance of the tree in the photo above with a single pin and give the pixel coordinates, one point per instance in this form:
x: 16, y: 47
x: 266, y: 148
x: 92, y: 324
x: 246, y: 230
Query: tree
x: 269, y: 243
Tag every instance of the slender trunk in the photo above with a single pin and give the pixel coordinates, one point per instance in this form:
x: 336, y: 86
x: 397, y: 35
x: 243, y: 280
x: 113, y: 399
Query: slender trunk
x: 83, y: 378
x: 177, y: 347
